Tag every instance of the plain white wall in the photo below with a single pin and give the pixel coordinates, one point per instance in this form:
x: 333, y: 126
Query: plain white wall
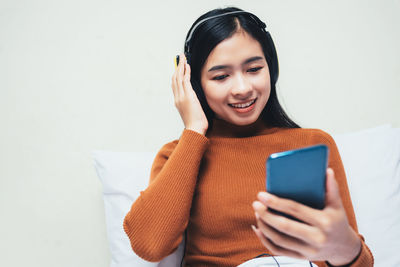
x: 81, y: 75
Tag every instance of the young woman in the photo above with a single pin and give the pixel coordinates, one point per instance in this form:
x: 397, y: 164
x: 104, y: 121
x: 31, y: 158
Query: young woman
x: 210, y: 184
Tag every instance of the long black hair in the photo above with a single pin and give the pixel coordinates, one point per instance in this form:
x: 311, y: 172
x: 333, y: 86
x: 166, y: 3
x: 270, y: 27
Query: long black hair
x: 209, y: 34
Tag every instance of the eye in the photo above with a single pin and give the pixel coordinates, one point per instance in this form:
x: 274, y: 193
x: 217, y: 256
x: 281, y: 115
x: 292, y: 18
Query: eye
x: 220, y: 77
x: 254, y: 69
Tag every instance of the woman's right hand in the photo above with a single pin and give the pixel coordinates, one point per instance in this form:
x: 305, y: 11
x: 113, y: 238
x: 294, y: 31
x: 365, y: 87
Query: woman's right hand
x: 186, y: 100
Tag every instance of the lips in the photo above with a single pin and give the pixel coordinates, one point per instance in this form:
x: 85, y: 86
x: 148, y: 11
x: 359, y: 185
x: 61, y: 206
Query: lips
x: 244, y: 107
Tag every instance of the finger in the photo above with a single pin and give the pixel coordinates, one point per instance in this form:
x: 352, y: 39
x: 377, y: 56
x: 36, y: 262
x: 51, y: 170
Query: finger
x: 186, y: 79
x: 307, y: 233
x: 179, y: 76
x: 290, y: 207
x: 284, y: 241
x: 332, y: 190
x: 275, y: 249
x: 174, y: 83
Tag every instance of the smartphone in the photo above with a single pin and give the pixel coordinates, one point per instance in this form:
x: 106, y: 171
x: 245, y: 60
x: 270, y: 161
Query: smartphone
x: 298, y: 175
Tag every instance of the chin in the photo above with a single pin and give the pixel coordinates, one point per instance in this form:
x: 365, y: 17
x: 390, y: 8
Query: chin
x: 244, y: 121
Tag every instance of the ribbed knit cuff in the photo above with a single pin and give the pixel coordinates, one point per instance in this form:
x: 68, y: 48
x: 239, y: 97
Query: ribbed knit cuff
x: 194, y: 139
x: 365, y: 258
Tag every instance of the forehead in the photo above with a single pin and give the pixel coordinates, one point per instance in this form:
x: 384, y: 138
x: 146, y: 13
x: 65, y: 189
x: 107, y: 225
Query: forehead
x: 234, y: 50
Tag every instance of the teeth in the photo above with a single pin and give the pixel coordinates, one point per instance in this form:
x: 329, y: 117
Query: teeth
x: 244, y: 105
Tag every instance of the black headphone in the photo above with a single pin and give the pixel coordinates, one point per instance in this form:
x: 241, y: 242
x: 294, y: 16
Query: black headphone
x: 261, y: 24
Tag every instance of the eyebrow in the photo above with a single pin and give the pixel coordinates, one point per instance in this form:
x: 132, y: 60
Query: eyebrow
x: 218, y: 67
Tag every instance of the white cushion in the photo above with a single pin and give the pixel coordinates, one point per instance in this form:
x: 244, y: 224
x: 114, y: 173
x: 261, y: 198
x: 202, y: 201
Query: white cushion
x: 124, y: 175
x: 371, y: 159
x: 372, y: 162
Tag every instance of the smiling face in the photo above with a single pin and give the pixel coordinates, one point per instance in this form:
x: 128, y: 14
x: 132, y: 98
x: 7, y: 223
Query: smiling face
x: 235, y: 79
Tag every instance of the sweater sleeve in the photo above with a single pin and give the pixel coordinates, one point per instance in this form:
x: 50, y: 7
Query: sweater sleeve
x: 159, y: 216
x: 365, y: 258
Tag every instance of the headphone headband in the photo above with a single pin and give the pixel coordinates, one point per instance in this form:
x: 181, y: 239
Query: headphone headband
x: 254, y: 17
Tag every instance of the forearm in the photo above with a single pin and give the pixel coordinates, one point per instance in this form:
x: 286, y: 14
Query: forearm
x: 159, y: 216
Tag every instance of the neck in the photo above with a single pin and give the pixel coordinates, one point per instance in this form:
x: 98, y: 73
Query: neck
x: 223, y: 128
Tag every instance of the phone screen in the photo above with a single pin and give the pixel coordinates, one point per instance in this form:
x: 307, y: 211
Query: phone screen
x: 299, y: 175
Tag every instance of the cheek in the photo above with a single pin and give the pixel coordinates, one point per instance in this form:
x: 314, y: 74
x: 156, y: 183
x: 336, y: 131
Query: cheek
x: 214, y: 94
x: 215, y: 101
x: 263, y: 84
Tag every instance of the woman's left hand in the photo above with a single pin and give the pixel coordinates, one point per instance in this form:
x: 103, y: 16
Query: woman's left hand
x: 325, y: 234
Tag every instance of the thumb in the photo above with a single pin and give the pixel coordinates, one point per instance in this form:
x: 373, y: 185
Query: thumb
x: 332, y: 190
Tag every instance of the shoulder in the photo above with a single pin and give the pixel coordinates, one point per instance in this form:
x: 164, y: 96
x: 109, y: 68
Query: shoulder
x: 319, y: 135
x: 308, y: 136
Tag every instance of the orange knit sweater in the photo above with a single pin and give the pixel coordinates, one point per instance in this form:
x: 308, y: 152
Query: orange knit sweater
x: 206, y: 184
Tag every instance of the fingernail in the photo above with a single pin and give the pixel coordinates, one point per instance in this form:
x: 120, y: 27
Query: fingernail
x: 264, y: 196
x: 254, y: 228
x: 258, y: 205
x: 176, y: 61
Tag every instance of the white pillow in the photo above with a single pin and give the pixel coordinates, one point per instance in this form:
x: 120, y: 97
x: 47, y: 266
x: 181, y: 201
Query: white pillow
x: 372, y: 162
x: 124, y: 175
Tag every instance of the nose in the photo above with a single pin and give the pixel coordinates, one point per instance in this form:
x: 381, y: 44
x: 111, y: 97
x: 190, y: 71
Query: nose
x: 242, y: 87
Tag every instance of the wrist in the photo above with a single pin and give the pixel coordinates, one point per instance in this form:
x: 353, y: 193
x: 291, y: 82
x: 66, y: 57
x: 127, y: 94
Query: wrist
x: 349, y: 260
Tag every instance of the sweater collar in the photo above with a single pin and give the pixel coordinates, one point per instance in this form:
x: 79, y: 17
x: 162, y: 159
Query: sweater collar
x: 222, y: 128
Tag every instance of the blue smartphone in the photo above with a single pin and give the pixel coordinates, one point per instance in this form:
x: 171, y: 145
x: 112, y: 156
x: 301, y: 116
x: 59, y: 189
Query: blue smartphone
x: 298, y: 175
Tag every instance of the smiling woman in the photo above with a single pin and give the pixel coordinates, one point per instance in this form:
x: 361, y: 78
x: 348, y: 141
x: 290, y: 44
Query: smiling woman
x: 214, y: 45
x: 210, y: 184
